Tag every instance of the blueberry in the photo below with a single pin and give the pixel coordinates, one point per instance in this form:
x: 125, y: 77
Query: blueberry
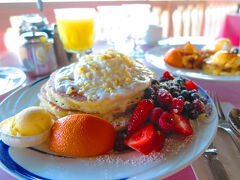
x: 187, y: 106
x: 119, y: 143
x: 164, y: 87
x: 184, y: 80
x: 179, y: 80
x: 181, y: 97
x: 194, y: 96
x: 154, y: 81
x: 192, y: 91
x: 155, y: 87
x: 184, y: 93
x: 193, y: 114
x: 177, y: 85
x: 153, y: 98
x: 183, y: 88
x: 148, y: 92
x: 175, y: 93
x: 173, y: 88
x: 163, y: 79
x: 204, y: 100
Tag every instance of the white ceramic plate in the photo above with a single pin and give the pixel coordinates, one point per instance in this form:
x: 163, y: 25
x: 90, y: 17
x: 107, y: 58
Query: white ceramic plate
x: 155, y: 57
x: 10, y: 78
x: 39, y: 163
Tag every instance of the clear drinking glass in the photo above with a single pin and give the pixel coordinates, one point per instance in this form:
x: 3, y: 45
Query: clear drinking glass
x: 137, y: 19
x: 76, y: 28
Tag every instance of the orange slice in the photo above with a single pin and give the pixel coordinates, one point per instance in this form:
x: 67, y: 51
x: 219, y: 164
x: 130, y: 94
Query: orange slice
x: 173, y: 57
x: 81, y: 135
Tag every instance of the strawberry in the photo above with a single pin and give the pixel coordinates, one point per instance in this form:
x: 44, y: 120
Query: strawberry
x: 160, y: 141
x: 165, y: 122
x: 139, y: 114
x: 155, y: 114
x: 181, y: 125
x: 190, y: 85
x: 144, y: 140
x: 177, y: 105
x: 167, y: 75
x: 164, y: 98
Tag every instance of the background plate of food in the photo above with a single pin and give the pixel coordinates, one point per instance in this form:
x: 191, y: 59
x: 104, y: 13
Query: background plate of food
x: 217, y: 61
x: 159, y: 149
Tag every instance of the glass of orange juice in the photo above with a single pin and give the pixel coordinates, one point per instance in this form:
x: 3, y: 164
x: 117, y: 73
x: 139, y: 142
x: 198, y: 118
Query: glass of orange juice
x: 76, y: 28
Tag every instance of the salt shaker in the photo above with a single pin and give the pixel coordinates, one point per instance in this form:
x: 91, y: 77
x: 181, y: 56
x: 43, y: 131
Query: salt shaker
x: 36, y: 53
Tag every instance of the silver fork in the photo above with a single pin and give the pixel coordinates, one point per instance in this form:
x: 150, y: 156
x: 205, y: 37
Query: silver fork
x: 223, y: 123
x: 216, y: 166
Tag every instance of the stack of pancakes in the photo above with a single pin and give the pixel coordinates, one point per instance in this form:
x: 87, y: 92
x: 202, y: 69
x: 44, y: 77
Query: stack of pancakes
x: 107, y: 85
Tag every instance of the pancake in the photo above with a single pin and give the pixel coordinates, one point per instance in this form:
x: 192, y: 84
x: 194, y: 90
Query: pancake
x: 77, y: 101
x: 107, y: 85
x: 119, y: 119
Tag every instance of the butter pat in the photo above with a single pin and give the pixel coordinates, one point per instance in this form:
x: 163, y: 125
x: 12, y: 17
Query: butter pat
x: 30, y: 122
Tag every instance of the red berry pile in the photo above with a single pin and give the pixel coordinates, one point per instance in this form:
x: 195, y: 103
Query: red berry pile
x: 165, y: 109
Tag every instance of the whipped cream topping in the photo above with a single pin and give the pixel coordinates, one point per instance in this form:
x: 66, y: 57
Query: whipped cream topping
x: 103, y: 75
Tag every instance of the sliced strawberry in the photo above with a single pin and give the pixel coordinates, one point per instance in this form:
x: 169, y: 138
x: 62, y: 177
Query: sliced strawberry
x: 160, y: 141
x: 177, y: 105
x: 139, y: 114
x: 167, y: 75
x: 165, y: 122
x: 155, y: 114
x: 190, y: 85
x: 144, y: 140
x: 181, y: 125
x: 164, y: 98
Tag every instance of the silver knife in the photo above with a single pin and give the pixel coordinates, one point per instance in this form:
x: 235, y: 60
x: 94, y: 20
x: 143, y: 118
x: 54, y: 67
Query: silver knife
x: 215, y: 164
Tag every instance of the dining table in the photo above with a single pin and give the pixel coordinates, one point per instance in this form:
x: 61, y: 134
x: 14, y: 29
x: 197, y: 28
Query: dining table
x: 229, y: 94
